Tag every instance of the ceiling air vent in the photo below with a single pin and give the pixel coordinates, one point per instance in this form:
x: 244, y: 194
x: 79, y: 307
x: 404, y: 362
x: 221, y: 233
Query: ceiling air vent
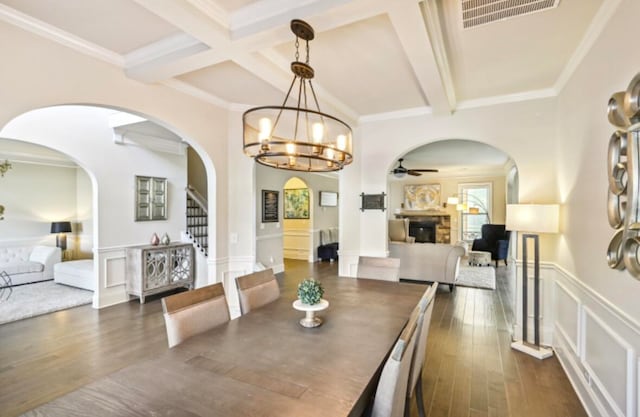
x: 481, y: 12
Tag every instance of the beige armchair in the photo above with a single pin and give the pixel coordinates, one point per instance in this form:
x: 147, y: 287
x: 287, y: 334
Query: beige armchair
x: 399, y: 231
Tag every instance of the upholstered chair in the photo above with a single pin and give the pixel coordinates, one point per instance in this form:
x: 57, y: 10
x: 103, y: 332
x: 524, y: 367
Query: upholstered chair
x: 495, y: 239
x: 257, y: 289
x: 387, y: 269
x: 190, y: 313
x: 391, y: 392
x: 417, y: 362
x: 399, y: 231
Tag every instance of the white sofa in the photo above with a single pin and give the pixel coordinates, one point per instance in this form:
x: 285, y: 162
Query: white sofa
x: 27, y: 264
x: 423, y: 261
x: 76, y: 274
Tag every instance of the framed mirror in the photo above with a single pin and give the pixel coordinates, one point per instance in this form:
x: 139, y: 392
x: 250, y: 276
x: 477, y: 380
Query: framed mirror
x: 151, y: 198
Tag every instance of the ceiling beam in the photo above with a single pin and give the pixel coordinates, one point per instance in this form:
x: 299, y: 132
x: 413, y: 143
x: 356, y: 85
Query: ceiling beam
x: 406, y: 18
x: 171, y: 65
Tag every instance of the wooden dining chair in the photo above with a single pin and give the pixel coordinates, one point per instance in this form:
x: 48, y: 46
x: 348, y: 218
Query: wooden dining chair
x: 417, y: 362
x: 257, y: 289
x: 190, y: 313
x: 391, y: 392
x: 387, y: 269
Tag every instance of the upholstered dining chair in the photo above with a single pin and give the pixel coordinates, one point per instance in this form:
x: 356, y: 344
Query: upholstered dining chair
x: 391, y: 392
x: 387, y: 269
x: 190, y: 313
x: 417, y: 362
x: 257, y: 289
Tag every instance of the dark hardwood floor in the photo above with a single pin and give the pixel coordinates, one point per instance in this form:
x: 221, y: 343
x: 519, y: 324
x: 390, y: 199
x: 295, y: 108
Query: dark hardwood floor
x: 470, y: 369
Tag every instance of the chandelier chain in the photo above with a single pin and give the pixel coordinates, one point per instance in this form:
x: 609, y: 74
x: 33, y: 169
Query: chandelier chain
x: 297, y: 51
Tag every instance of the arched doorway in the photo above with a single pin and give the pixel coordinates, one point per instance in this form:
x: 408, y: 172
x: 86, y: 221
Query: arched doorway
x: 115, y: 153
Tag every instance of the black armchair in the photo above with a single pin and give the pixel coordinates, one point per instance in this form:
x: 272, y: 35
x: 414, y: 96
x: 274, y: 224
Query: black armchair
x: 495, y: 239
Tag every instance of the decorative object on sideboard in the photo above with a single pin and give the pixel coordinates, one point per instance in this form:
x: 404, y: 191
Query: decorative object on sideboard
x: 165, y: 239
x: 61, y: 228
x: 155, y: 240
x: 151, y: 198
x: 623, y: 166
x: 532, y: 219
x: 373, y: 202
x: 297, y: 137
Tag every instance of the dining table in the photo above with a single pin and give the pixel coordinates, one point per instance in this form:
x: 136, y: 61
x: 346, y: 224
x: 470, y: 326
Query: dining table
x: 263, y: 363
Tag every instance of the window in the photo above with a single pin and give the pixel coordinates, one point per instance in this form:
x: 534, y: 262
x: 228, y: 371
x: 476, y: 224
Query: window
x: 474, y: 208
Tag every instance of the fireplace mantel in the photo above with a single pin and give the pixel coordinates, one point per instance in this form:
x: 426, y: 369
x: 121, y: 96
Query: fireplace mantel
x: 441, y: 219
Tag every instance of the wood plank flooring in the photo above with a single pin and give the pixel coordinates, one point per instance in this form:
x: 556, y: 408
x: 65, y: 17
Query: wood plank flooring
x: 470, y: 369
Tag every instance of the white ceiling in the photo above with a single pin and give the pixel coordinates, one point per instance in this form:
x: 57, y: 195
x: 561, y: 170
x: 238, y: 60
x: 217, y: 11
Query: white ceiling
x: 373, y: 58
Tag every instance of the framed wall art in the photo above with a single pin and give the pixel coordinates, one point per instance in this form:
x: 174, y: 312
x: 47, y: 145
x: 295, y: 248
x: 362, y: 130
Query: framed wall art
x: 151, y: 198
x: 269, y: 206
x: 422, y: 196
x: 296, y: 203
x: 373, y: 202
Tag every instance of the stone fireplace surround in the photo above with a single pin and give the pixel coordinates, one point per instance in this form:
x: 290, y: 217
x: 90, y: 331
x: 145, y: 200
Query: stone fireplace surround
x: 424, y: 219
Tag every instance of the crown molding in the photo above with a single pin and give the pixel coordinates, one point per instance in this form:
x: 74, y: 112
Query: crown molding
x: 28, y: 158
x: 38, y: 27
x: 603, y: 16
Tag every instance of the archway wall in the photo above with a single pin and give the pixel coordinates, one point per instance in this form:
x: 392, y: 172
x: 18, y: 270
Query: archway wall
x: 524, y: 130
x: 269, y: 236
x: 44, y: 73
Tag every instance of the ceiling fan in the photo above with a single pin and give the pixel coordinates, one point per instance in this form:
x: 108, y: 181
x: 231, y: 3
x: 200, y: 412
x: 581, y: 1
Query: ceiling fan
x: 401, y: 171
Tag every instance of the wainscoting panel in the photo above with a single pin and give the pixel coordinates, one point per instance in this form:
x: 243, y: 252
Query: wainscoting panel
x: 598, y: 349
x: 568, y: 316
x: 609, y: 360
x: 297, y: 244
x: 114, y: 271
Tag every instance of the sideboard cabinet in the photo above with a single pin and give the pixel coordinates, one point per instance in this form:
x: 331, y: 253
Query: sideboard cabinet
x: 154, y: 269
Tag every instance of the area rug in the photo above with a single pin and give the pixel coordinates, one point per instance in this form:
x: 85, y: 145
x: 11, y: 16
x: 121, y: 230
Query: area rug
x: 477, y: 277
x: 40, y: 298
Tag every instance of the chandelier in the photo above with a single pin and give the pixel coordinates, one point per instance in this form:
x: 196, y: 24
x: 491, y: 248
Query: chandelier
x: 297, y: 137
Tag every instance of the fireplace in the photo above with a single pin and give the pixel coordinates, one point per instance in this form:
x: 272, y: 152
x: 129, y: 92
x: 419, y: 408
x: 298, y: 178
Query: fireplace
x: 423, y: 231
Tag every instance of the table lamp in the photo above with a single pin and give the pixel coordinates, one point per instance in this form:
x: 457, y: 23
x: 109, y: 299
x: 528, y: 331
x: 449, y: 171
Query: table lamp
x: 61, y: 238
x: 532, y: 219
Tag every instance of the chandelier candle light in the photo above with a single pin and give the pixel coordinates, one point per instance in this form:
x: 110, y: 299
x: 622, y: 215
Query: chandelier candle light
x: 297, y: 137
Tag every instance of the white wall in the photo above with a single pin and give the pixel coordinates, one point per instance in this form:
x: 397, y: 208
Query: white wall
x: 269, y: 236
x: 83, y: 133
x: 525, y: 131
x: 84, y: 216
x: 34, y: 195
x: 598, y: 314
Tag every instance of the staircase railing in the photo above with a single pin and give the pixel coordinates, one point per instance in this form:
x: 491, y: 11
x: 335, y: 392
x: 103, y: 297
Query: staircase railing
x: 197, y: 219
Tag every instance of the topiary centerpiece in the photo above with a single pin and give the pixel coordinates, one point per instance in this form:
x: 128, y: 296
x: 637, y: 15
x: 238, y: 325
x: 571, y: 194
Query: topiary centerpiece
x: 310, y: 291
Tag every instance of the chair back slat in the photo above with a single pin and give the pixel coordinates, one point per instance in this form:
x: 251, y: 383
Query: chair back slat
x: 424, y: 320
x: 392, y: 387
x: 193, y: 312
x: 257, y: 289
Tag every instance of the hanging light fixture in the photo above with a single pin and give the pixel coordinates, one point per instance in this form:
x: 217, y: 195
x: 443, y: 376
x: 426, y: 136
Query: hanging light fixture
x: 297, y: 137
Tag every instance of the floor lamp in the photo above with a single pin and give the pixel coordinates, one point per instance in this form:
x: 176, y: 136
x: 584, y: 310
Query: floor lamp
x: 532, y: 219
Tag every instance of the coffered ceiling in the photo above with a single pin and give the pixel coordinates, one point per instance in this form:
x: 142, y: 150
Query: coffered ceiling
x: 373, y: 58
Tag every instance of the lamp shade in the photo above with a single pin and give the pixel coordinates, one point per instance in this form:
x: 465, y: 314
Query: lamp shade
x: 60, y: 227
x: 535, y: 218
